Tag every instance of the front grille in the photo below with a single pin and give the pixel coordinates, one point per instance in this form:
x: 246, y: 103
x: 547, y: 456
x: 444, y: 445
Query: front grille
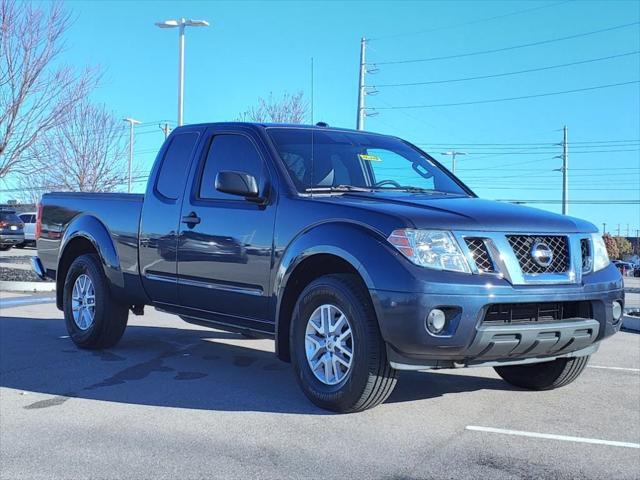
x: 480, y: 254
x: 522, y: 245
x: 510, y: 313
x: 587, y: 257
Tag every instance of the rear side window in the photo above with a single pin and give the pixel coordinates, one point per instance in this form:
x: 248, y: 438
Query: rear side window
x: 28, y: 218
x: 229, y: 152
x: 175, y: 165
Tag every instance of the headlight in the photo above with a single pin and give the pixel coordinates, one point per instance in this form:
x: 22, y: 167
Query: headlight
x: 600, y: 256
x: 430, y: 248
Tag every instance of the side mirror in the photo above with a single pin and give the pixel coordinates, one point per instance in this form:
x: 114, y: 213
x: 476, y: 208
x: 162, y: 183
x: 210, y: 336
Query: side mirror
x: 237, y: 183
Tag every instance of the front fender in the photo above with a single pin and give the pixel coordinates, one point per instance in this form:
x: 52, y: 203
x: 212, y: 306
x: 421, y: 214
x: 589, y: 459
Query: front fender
x: 93, y: 230
x: 367, y: 251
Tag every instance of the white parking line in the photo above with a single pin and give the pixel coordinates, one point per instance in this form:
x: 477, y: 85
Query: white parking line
x: 550, y: 436
x: 14, y: 302
x: 615, y: 368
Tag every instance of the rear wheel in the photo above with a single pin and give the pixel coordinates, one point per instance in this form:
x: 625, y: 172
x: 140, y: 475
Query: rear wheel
x: 93, y: 317
x: 544, y: 376
x: 337, y: 351
x: 4, y: 248
x: 20, y: 245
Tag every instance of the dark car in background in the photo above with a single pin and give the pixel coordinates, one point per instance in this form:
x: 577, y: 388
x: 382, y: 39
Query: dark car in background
x: 11, y: 230
x: 625, y: 268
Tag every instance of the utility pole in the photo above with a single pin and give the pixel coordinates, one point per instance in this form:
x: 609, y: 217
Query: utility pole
x: 165, y: 129
x: 627, y: 229
x: 361, y: 85
x: 604, y: 228
x: 453, y: 154
x: 618, y: 229
x: 131, y: 122
x: 565, y: 173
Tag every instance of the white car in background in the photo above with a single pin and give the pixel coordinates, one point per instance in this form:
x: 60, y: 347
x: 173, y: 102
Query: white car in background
x: 29, y: 220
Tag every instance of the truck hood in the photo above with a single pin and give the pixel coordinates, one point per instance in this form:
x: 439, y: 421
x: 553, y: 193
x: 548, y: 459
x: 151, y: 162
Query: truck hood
x: 461, y: 213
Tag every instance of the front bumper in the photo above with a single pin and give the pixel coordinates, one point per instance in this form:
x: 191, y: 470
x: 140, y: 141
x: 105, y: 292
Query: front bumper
x: 468, y: 341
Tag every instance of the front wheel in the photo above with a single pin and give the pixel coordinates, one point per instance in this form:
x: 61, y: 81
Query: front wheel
x: 544, y: 376
x: 338, y: 354
x: 93, y: 317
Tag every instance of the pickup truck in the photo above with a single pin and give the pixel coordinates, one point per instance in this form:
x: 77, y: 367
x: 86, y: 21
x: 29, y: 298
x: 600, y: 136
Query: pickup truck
x: 357, y: 252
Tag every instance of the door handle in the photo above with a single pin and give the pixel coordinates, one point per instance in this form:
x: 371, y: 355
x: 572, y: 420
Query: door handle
x: 191, y: 219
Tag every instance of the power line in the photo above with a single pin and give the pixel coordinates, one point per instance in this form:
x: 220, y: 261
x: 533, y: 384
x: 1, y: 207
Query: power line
x: 576, y: 202
x: 471, y: 22
x: 512, y: 47
x: 550, y: 152
x: 507, y: 99
x: 523, y: 148
x: 637, y: 140
x: 505, y: 74
x: 587, y: 189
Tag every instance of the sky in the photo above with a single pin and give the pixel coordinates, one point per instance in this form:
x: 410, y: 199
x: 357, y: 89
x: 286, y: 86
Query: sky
x: 254, y: 48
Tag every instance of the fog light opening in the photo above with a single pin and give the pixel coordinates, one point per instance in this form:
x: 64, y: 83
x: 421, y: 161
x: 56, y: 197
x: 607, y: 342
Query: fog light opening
x: 617, y: 311
x: 436, y: 321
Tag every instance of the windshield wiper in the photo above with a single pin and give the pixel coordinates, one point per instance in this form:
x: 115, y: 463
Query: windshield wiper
x: 338, y: 188
x: 414, y: 190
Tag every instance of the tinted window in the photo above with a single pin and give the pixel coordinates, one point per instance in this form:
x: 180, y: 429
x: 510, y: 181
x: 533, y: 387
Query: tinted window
x: 229, y: 152
x: 28, y: 218
x: 175, y: 166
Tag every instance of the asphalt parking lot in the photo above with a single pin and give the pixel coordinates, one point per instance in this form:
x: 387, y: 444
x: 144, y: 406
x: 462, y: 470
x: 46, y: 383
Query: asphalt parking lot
x: 176, y: 401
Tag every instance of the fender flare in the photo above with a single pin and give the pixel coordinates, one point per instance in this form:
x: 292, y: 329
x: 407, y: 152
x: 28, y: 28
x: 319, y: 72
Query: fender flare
x: 90, y: 228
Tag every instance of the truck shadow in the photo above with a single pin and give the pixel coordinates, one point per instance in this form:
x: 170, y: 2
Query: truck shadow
x: 176, y: 367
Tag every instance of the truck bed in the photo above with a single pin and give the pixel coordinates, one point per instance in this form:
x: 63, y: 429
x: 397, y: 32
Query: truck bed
x: 119, y: 212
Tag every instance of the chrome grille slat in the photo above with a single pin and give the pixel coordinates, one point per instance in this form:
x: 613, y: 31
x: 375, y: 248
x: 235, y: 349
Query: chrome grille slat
x: 522, y: 245
x: 480, y: 254
x: 587, y: 258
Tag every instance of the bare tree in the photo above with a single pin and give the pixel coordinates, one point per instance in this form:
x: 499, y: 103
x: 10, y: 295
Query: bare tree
x: 87, y: 153
x: 36, y: 92
x: 291, y: 108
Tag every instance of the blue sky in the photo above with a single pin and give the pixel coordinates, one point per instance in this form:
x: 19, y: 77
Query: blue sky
x: 253, y: 49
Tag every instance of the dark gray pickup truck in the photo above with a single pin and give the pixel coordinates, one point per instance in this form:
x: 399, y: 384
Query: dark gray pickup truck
x: 358, y: 253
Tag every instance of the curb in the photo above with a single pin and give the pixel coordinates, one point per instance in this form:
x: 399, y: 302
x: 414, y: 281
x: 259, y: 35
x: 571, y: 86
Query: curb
x: 7, y: 286
x: 631, y: 323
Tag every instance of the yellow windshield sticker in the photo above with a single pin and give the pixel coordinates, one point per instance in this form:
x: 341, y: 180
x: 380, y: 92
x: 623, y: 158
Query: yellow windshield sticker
x: 369, y: 158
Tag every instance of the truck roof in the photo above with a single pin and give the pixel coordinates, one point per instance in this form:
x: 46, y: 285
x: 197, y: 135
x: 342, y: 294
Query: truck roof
x: 318, y: 126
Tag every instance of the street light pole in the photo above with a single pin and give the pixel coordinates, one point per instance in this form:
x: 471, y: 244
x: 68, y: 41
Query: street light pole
x: 453, y: 154
x: 181, y: 24
x: 131, y: 122
x: 181, y: 72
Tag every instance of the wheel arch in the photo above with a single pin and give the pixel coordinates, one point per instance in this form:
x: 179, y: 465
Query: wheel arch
x: 87, y: 235
x: 331, y: 247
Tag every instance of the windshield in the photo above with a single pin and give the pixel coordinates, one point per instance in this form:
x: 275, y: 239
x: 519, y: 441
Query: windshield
x: 356, y: 161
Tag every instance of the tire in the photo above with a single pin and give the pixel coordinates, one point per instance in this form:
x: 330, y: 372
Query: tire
x: 4, y: 248
x: 20, y: 245
x: 110, y: 317
x: 370, y: 379
x: 544, y: 376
